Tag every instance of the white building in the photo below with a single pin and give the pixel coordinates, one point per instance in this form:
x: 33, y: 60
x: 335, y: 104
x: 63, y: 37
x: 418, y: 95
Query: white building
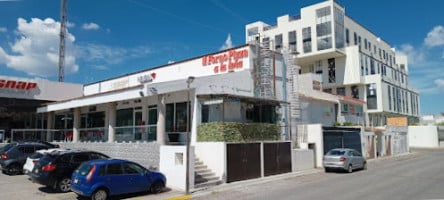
x: 350, y: 59
x: 20, y: 97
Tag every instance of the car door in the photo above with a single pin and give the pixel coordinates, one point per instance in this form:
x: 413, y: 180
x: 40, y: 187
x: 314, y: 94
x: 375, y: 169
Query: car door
x: 357, y: 159
x: 114, y: 178
x: 137, y: 177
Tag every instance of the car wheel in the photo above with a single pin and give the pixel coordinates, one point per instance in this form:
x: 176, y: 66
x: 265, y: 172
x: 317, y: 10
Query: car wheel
x: 156, y: 187
x: 13, y: 169
x: 100, y: 194
x: 327, y: 169
x: 350, y: 169
x: 364, y: 167
x: 64, y: 185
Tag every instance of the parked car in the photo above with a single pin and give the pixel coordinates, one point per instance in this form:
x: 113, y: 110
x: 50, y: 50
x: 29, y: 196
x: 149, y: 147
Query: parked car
x: 13, y: 155
x: 99, y: 179
x: 344, y: 159
x: 55, y: 169
x: 35, y: 157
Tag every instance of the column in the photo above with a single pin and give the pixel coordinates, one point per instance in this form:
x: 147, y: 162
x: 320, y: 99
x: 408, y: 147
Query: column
x: 145, y: 120
x: 111, y: 116
x: 76, y: 125
x: 49, y: 126
x: 161, y: 111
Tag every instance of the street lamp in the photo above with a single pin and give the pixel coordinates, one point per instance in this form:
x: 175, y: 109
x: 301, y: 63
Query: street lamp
x: 187, y: 176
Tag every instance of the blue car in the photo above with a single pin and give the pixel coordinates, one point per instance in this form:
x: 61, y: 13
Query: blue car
x: 99, y: 179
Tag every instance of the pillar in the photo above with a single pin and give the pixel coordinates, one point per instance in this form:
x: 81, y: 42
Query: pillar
x: 49, y: 126
x: 76, y: 125
x: 111, y: 116
x: 161, y: 111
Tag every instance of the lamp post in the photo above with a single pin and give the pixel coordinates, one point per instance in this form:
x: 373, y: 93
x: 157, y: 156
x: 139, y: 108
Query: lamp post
x: 187, y: 175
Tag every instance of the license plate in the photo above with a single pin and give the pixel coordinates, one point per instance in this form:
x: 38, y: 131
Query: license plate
x: 36, y: 170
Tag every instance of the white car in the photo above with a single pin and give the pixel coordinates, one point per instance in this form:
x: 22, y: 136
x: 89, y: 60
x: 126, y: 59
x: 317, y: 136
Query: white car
x: 34, y: 158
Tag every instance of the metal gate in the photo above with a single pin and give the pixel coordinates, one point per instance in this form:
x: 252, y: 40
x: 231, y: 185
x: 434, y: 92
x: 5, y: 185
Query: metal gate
x: 342, y: 138
x: 277, y: 158
x: 243, y: 161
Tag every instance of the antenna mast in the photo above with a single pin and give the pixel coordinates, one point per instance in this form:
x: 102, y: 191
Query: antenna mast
x: 62, y: 40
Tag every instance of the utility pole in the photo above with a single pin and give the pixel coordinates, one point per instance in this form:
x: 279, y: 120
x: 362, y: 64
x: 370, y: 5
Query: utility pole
x: 62, y: 40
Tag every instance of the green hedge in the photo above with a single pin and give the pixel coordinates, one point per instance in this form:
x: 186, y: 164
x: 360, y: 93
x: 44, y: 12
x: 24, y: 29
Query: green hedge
x: 237, y: 132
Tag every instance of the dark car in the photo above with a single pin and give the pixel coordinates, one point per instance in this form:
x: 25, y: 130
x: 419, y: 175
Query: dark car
x: 55, y: 169
x: 100, y: 179
x: 13, y: 155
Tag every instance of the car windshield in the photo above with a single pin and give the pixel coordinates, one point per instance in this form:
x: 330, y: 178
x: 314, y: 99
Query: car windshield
x: 7, y: 147
x: 83, y: 169
x: 336, y: 153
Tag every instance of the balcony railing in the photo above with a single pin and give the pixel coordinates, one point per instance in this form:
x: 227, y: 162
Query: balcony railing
x: 135, y: 133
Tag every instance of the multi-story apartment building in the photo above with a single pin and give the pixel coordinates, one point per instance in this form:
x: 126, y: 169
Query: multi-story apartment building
x: 350, y: 59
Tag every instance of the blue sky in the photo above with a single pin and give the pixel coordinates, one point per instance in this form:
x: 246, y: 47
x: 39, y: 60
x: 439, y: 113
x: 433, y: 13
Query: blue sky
x: 111, y: 38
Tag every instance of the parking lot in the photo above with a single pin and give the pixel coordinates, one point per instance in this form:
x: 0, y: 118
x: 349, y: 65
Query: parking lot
x: 19, y: 187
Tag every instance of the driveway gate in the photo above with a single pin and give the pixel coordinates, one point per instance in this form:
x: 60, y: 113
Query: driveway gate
x: 340, y: 137
x: 243, y: 161
x: 277, y: 158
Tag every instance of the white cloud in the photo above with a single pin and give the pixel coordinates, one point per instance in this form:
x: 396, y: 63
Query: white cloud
x: 440, y: 84
x: 70, y: 24
x: 435, y: 37
x: 3, y: 29
x: 36, y: 49
x: 414, y: 55
x: 108, y: 55
x: 90, y: 26
x: 228, y: 43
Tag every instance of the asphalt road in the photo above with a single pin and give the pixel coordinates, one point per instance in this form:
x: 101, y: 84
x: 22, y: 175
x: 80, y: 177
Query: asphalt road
x: 417, y: 176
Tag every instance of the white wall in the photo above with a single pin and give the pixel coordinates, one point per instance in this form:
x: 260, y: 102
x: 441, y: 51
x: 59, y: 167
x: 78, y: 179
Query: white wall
x: 423, y: 136
x: 302, y: 159
x: 213, y: 155
x: 173, y: 165
x: 314, y: 135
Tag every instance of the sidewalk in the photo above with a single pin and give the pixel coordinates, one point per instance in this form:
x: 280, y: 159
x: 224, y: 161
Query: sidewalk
x: 228, y: 186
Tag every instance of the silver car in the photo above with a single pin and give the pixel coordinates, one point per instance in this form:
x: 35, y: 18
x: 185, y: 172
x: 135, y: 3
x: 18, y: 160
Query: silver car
x: 344, y: 159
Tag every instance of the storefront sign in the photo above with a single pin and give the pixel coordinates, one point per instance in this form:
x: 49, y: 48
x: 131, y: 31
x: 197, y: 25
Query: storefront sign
x: 227, y: 61
x: 17, y: 85
x: 146, y: 78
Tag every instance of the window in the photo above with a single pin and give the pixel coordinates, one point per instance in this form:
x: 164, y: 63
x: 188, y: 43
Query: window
x: 79, y: 158
x: 344, y: 108
x: 331, y: 70
x: 318, y: 67
x: 372, y: 66
x: 347, y: 36
x: 355, y: 91
x: 389, y: 97
x: 278, y: 42
x: 266, y: 42
x: 131, y: 168
x: 327, y: 90
x: 323, y: 32
x: 339, y: 27
x: 306, y: 39
x: 292, y: 41
x: 355, y: 38
x: 112, y: 169
x: 176, y: 117
x: 371, y: 96
x: 365, y: 43
x: 340, y: 91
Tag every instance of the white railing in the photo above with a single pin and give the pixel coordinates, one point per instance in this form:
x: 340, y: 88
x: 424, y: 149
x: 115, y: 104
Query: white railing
x: 135, y: 133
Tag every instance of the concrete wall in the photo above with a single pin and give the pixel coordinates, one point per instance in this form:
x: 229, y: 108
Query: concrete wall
x: 214, y: 156
x: 146, y: 154
x: 423, y: 136
x: 302, y: 159
x: 173, y: 165
x: 314, y: 136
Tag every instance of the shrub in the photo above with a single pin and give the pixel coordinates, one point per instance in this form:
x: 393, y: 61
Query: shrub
x: 237, y: 132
